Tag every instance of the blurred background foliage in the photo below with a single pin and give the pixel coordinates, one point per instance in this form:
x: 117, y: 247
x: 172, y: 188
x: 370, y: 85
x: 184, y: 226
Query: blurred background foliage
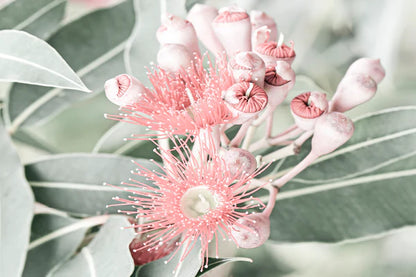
x: 329, y: 35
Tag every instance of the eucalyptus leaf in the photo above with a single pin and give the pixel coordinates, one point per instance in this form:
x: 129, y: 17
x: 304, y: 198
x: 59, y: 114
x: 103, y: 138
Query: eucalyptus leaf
x: 74, y: 182
x: 361, y: 190
x: 16, y: 209
x: 107, y: 255
x: 25, y: 58
x: 93, y: 45
x: 52, y: 233
x: 40, y: 18
x: 215, y: 262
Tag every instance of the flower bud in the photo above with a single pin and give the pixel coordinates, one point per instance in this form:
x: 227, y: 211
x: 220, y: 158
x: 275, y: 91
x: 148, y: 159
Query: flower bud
x: 307, y: 107
x: 240, y: 162
x: 201, y: 17
x: 331, y: 131
x: 272, y: 52
x: 142, y: 255
x: 259, y: 19
x: 124, y: 90
x: 367, y: 67
x: 175, y: 30
x: 251, y: 231
x: 259, y: 36
x: 245, y: 100
x: 278, y: 82
x: 352, y: 91
x: 249, y: 67
x: 174, y: 57
x: 233, y: 28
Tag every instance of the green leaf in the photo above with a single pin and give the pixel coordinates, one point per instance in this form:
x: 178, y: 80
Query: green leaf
x: 25, y: 58
x: 56, y: 237
x: 108, y: 253
x: 188, y: 268
x: 361, y: 190
x: 214, y: 262
x: 16, y: 209
x: 40, y: 18
x: 74, y: 182
x: 93, y: 46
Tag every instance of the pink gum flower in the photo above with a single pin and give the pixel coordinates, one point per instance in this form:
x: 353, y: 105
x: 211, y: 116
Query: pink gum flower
x: 278, y: 81
x: 307, y: 107
x: 271, y: 52
x: 233, y: 28
x: 125, y: 90
x: 245, y: 100
x: 201, y: 16
x: 367, y: 67
x: 249, y: 67
x: 174, y: 57
x: 352, y: 91
x: 175, y: 30
x: 259, y: 19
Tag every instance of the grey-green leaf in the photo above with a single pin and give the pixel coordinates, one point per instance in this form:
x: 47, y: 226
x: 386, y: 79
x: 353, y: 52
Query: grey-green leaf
x: 93, y: 46
x: 107, y: 255
x: 40, y: 18
x: 215, y: 262
x: 365, y: 188
x: 27, y: 59
x: 52, y: 234
x: 74, y: 182
x: 16, y: 209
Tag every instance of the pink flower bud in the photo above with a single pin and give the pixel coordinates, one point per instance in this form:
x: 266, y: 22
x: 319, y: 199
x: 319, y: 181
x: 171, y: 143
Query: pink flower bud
x: 260, y: 19
x: 278, y: 82
x: 240, y: 162
x: 233, y: 28
x: 307, y: 107
x: 251, y: 231
x: 201, y: 17
x: 259, y: 36
x: 124, y: 90
x: 249, y: 67
x: 175, y: 30
x: 245, y: 100
x: 331, y: 131
x: 174, y: 57
x: 272, y: 52
x: 352, y: 91
x: 367, y: 67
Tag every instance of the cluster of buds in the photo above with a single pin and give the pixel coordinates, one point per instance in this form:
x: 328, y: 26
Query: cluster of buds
x: 206, y: 191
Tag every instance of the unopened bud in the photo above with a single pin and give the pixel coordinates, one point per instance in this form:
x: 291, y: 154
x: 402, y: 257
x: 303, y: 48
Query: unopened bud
x: 175, y: 30
x: 142, y: 255
x: 201, y: 17
x: 272, y: 52
x: 240, y: 162
x: 331, y: 131
x: 278, y: 82
x: 124, y: 90
x: 367, y: 67
x: 259, y: 19
x: 233, y: 28
x: 249, y: 67
x: 251, y: 231
x: 259, y: 36
x: 174, y: 57
x: 245, y: 100
x: 307, y: 107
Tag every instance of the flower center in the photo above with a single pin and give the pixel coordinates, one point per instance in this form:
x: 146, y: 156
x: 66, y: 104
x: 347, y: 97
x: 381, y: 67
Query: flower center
x: 198, y: 201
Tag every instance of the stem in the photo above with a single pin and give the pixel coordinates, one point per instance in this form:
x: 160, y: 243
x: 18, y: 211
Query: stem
x: 279, y: 154
x: 223, y: 137
x: 236, y: 141
x: 296, y: 170
x: 163, y: 7
x: 289, y: 133
x: 250, y: 133
x: 301, y: 140
x: 272, y: 200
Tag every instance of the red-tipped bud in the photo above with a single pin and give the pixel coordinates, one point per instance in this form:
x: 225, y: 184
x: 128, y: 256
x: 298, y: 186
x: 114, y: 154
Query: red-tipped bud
x: 239, y: 161
x: 278, y: 82
x: 352, y: 91
x: 272, y: 52
x: 331, y: 131
x: 245, y: 100
x: 260, y: 19
x: 233, y: 28
x: 367, y: 67
x: 201, y: 17
x: 174, y: 57
x: 251, y: 231
x: 175, y: 30
x: 307, y: 107
x: 259, y: 36
x: 249, y: 67
x: 124, y: 90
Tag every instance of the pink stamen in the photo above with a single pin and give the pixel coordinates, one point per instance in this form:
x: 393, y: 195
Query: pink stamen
x: 272, y: 49
x: 230, y: 16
